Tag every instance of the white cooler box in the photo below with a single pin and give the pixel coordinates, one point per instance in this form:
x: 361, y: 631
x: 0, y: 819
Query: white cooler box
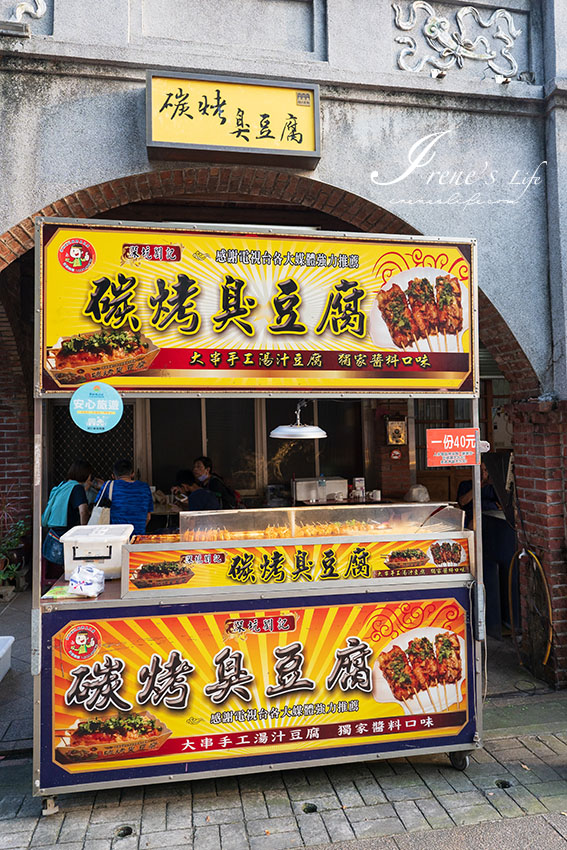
x: 98, y: 545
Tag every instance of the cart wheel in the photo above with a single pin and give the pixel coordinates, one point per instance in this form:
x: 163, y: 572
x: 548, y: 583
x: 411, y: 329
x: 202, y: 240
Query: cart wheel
x: 460, y: 761
x: 49, y: 806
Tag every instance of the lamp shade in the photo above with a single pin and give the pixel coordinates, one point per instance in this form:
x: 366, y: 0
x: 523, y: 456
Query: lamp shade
x: 298, y: 432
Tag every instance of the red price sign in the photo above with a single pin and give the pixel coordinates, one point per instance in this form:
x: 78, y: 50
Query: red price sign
x: 452, y: 446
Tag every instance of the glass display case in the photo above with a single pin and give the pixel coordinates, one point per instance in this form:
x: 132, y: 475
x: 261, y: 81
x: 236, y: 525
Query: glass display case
x: 247, y: 551
x: 319, y: 521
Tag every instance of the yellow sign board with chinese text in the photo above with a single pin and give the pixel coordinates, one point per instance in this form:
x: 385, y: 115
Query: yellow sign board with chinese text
x: 160, y: 308
x: 224, y: 118
x: 155, y: 571
x: 181, y: 691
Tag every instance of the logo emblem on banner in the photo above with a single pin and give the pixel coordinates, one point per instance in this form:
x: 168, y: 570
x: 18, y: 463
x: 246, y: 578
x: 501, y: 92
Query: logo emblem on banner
x: 96, y: 407
x: 76, y: 255
x: 82, y: 642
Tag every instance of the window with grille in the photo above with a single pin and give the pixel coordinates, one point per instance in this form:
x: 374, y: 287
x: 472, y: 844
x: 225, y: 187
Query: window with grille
x: 69, y: 443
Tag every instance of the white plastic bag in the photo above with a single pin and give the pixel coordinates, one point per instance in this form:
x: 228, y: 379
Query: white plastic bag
x: 87, y: 581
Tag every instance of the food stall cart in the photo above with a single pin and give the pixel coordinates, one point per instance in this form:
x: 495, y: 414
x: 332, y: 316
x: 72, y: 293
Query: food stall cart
x: 272, y: 637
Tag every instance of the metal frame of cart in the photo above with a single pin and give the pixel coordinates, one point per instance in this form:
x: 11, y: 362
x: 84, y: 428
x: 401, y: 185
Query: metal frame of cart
x: 467, y: 589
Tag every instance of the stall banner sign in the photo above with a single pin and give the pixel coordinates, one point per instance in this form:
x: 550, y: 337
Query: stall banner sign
x: 185, y: 568
x: 169, y: 309
x: 96, y: 407
x: 179, y: 692
x: 224, y: 114
x: 452, y: 446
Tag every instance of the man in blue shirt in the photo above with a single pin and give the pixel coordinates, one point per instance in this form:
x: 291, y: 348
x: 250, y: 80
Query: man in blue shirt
x: 132, y: 501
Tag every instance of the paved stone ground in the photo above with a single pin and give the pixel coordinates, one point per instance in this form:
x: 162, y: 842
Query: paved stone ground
x: 407, y: 802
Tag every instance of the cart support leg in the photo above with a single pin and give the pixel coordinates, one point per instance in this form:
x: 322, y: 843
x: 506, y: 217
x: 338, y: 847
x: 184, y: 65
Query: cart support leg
x: 50, y: 807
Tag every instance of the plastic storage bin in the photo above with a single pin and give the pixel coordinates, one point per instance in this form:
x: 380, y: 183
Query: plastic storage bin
x: 97, y: 545
x: 5, y: 654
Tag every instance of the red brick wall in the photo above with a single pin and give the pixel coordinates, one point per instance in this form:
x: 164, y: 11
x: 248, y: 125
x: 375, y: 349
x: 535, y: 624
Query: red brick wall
x: 540, y: 454
x: 15, y: 426
x: 394, y: 475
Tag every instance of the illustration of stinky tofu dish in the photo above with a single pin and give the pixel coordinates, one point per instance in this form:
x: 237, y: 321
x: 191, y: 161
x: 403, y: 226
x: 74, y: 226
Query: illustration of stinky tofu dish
x: 119, y: 736
x: 97, y: 355
x: 163, y: 574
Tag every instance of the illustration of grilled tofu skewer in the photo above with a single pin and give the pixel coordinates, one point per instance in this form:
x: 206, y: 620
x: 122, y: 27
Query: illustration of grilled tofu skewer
x: 396, y: 670
x: 448, y: 654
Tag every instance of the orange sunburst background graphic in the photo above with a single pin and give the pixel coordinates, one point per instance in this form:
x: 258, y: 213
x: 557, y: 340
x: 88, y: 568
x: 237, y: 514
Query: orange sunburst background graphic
x: 205, y: 731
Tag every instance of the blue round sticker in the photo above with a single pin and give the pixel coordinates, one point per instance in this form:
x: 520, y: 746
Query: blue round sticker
x: 96, y: 407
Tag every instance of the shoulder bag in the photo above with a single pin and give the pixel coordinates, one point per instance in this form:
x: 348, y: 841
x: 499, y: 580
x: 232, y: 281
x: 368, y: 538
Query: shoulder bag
x: 101, y: 510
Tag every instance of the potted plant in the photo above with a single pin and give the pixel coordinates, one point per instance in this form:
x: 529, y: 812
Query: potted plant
x: 12, y: 534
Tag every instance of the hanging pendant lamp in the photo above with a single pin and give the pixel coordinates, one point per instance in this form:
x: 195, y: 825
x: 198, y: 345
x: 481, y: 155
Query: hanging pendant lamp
x: 298, y: 431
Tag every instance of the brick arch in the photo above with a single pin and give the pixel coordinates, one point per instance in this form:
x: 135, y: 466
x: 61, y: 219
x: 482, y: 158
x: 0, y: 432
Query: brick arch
x: 242, y: 183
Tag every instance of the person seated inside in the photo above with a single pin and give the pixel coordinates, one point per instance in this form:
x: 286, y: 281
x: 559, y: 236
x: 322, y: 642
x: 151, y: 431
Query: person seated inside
x: 131, y: 500
x: 203, y: 472
x: 488, y: 497
x: 191, y: 496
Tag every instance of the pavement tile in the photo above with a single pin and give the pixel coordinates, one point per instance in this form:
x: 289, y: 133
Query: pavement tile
x: 226, y: 784
x: 555, y: 804
x: 468, y: 815
x: 31, y: 807
x: 312, y: 828
x: 18, y: 839
x: 107, y: 797
x: 504, y: 803
x: 254, y: 806
x: 74, y: 827
x: 452, y: 802
x: 130, y: 812
x: 98, y: 844
x: 9, y: 805
x: 107, y: 829
x: 281, y: 841
x: 435, y: 781
x: 383, y: 810
x: 538, y: 747
x: 482, y: 757
x: 458, y: 780
x: 434, y: 813
x: 402, y: 767
x: 370, y: 791
x: 154, y: 816
x: 526, y: 800
x: 338, y: 825
x: 411, y: 817
x: 549, y: 789
x: 488, y: 782
x: 203, y: 788
x: 347, y: 793
x: 263, y: 781
x: 323, y: 804
x: 558, y: 746
x: 207, y: 838
x: 132, y: 794
x: 371, y: 828
x: 412, y: 792
x: 126, y: 842
x: 233, y: 836
x: 278, y: 803
x: 379, y: 769
x: 46, y: 831
x: 178, y: 814
x: 18, y: 825
x: 263, y: 826
x: 217, y: 817
x: 229, y: 800
x: 400, y: 781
